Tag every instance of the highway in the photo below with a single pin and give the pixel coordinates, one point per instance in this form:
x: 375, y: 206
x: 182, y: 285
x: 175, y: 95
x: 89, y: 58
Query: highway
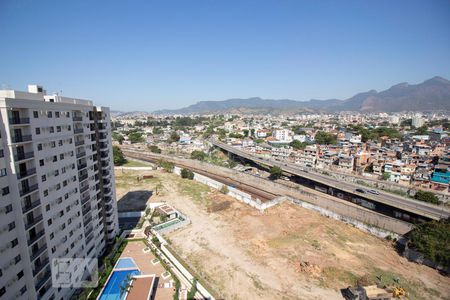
x: 409, y: 205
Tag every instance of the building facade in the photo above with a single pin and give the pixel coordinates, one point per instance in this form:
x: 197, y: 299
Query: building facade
x: 56, y: 186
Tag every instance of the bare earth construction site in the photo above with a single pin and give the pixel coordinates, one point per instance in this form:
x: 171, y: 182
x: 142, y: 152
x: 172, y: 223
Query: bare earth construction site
x: 287, y: 252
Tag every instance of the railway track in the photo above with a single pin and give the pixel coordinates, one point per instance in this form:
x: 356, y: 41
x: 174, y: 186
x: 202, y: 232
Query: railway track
x: 254, y: 192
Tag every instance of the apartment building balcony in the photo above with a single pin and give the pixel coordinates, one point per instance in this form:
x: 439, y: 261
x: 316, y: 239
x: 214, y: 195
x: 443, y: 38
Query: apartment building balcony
x: 85, y: 199
x: 26, y: 173
x: 19, y: 121
x: 83, y: 177
x: 28, y: 190
x: 89, y: 231
x: 78, y: 130
x: 43, y: 279
x: 84, y: 189
x: 86, y: 210
x: 28, y: 207
x: 36, y: 237
x: 77, y: 118
x: 37, y: 253
x: 81, y: 166
x: 33, y: 222
x: 79, y: 143
x: 89, y: 238
x: 21, y: 138
x: 87, y: 221
x: 105, y: 164
x: 106, y: 173
x: 22, y: 156
x: 81, y: 154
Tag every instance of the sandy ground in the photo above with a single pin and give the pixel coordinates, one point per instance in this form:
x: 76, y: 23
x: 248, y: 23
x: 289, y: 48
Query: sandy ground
x: 287, y: 252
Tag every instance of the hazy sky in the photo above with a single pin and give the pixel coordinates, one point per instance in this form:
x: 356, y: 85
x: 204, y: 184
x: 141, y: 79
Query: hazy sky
x: 148, y: 55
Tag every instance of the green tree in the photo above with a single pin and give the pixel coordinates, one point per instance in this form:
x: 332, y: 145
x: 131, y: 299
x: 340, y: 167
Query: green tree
x: 157, y: 130
x: 154, y: 149
x: 426, y: 196
x: 433, y: 240
x: 193, y: 290
x: 198, y: 155
x: 117, y: 137
x: 187, y: 174
x: 296, y: 144
x: 118, y: 157
x: 245, y: 131
x: 386, y: 175
x: 224, y: 189
x: 276, y: 172
x: 325, y: 138
x: 135, y: 137
x: 174, y: 137
x: 422, y: 130
x: 259, y: 141
x: 166, y: 165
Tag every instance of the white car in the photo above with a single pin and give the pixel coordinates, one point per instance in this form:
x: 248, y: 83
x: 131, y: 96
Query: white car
x: 373, y: 192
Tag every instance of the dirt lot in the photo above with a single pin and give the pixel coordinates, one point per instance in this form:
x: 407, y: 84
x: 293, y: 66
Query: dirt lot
x: 285, y: 253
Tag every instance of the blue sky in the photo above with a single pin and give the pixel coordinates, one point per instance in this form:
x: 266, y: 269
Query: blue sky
x: 148, y: 55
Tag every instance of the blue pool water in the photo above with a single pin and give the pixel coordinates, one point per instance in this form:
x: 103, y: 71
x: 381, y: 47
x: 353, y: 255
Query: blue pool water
x: 112, y: 289
x: 125, y: 263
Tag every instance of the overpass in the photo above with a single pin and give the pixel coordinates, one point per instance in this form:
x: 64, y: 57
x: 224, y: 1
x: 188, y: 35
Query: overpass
x: 399, y: 204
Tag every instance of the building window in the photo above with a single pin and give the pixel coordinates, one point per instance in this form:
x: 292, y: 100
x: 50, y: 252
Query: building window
x: 23, y: 290
x: 2, y: 153
x: 39, y: 147
x: 60, y: 143
x: 49, y: 222
x: 55, y: 158
x: 45, y: 193
x: 20, y: 275
x: 49, y: 114
x: 5, y: 191
x: 52, y: 235
x: 2, y: 291
x: 56, y: 114
x: 8, y: 208
x: 17, y: 259
x: 38, y: 130
x: 53, y: 144
x: 47, y: 207
x: 41, y: 162
x: 14, y: 243
x: 68, y: 114
x: 43, y: 178
x: 61, y: 156
x: 35, y: 114
x: 58, y: 128
x: 11, y: 226
x: 2, y: 172
x: 52, y: 129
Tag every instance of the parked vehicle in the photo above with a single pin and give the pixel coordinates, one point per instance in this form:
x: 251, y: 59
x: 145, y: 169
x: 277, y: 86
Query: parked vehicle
x: 373, y: 192
x: 360, y: 191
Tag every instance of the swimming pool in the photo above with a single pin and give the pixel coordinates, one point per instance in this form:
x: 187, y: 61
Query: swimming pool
x: 125, y: 263
x: 118, y: 279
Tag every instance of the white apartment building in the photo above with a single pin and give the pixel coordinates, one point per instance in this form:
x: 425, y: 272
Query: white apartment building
x: 56, y: 189
x: 282, y: 135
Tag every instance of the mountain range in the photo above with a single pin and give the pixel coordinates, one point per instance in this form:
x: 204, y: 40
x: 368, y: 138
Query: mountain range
x: 432, y: 94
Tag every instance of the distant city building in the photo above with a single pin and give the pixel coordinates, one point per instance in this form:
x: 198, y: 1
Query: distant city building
x: 417, y: 121
x: 57, y: 189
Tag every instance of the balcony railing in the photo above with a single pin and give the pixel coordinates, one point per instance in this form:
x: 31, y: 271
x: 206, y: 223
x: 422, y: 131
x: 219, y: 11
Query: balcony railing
x: 21, y: 138
x: 81, y: 166
x: 33, y: 222
x: 38, y: 235
x: 18, y: 157
x: 27, y: 173
x: 83, y: 177
x: 28, y: 190
x: 77, y: 118
x: 81, y: 154
x: 38, y: 253
x: 85, y: 199
x: 39, y: 268
x: 78, y: 130
x: 79, y: 143
x: 31, y: 206
x: 84, y: 189
x: 17, y: 121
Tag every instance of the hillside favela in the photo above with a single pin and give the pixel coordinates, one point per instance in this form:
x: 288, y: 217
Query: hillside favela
x: 242, y: 150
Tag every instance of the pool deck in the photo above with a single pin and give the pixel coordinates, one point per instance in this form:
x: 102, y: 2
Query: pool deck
x: 145, y: 265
